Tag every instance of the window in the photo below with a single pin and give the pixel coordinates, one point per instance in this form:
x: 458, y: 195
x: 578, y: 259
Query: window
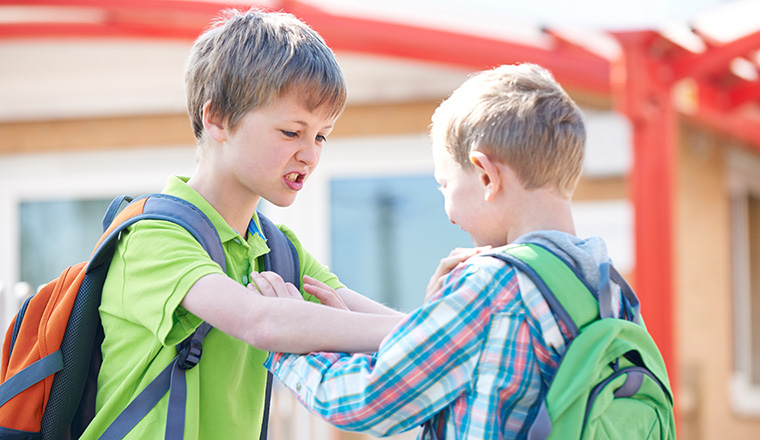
x: 51, y: 206
x: 745, y: 215
x: 56, y: 234
x: 388, y: 235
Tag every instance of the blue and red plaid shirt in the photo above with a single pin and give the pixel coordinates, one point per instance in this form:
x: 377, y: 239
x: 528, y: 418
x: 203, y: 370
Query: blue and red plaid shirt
x: 479, y: 353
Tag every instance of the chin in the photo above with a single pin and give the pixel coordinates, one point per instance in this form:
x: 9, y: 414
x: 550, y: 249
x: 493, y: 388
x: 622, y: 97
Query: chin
x: 281, y: 202
x: 479, y: 243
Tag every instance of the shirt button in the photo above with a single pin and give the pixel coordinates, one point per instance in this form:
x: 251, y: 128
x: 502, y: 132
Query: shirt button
x: 298, y: 386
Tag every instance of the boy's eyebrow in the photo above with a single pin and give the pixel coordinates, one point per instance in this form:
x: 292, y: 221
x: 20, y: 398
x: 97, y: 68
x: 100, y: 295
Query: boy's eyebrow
x: 304, y: 124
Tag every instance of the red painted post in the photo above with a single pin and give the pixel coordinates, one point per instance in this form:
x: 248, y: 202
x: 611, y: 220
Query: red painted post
x: 642, y: 90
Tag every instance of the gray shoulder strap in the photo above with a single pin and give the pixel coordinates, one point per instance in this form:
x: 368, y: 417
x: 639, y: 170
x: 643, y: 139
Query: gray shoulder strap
x: 283, y: 257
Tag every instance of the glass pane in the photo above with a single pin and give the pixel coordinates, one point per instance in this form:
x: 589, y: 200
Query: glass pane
x: 388, y: 235
x: 753, y: 221
x: 57, y: 234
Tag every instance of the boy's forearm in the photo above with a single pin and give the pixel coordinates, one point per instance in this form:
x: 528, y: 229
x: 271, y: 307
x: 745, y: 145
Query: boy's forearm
x: 360, y: 303
x: 288, y: 325
x: 295, y: 326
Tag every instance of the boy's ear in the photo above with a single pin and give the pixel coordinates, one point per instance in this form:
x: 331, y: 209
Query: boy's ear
x: 490, y: 175
x: 212, y: 124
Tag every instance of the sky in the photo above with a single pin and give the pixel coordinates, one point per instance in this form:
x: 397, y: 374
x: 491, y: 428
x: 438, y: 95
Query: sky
x: 608, y: 14
x: 605, y: 14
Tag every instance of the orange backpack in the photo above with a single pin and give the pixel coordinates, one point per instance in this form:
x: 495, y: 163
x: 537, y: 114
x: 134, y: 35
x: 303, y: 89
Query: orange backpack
x: 51, y: 353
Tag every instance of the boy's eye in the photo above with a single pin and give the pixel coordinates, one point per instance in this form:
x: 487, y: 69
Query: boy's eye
x: 290, y: 134
x: 321, y: 138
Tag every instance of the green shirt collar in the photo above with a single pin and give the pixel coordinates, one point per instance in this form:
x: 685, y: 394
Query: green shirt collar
x: 177, y: 186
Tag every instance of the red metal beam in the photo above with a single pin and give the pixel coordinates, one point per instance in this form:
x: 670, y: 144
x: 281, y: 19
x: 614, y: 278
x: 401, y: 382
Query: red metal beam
x: 186, y: 19
x: 118, y: 18
x: 644, y: 96
x: 743, y: 93
x: 715, y: 59
x: 715, y: 109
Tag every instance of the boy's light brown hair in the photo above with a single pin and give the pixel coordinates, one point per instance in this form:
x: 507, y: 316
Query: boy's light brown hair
x: 247, y: 60
x: 519, y: 115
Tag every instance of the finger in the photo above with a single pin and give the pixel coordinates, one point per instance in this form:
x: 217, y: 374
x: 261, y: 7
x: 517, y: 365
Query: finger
x: 460, y: 254
x: 435, y: 286
x: 457, y: 256
x: 307, y: 280
x: 279, y: 285
x: 262, y: 285
x: 270, y: 284
x: 324, y: 293
x: 327, y: 297
x: 293, y: 290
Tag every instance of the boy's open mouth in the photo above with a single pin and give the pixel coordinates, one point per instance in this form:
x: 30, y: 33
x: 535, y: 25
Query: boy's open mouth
x: 294, y: 180
x: 295, y: 177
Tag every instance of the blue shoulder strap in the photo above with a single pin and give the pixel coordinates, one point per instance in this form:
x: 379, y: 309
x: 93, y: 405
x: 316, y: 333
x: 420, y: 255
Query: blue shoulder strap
x: 172, y: 378
x: 282, y: 259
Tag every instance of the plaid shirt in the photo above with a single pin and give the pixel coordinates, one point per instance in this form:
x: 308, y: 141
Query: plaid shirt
x: 479, y: 354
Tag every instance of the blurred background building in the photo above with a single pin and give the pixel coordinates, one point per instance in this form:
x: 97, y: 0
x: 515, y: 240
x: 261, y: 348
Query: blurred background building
x: 92, y: 106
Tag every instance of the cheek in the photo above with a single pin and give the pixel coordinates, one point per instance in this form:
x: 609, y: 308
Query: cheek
x: 462, y: 207
x: 451, y: 206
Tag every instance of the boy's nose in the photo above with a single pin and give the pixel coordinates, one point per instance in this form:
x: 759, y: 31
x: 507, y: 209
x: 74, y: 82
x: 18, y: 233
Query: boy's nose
x: 308, y: 154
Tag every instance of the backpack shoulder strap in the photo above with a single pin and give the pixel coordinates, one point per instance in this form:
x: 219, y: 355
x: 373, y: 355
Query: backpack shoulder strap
x: 282, y: 257
x: 157, y: 207
x: 568, y: 297
x: 172, y: 378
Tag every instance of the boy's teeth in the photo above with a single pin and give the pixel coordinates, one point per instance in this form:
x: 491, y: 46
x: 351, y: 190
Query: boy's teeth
x: 292, y: 177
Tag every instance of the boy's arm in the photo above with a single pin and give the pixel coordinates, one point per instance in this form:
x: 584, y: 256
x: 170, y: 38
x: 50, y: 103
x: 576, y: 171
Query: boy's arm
x: 349, y: 299
x: 292, y: 326
x: 410, y: 378
x: 360, y: 303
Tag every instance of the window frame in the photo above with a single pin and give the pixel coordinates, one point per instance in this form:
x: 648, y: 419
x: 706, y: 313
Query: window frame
x: 743, y: 171
x: 77, y: 175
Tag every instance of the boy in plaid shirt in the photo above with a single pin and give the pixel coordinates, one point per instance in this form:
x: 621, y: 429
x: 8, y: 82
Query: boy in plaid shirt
x: 476, y: 359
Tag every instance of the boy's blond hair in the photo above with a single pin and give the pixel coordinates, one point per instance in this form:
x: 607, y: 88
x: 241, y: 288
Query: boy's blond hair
x: 519, y: 115
x: 246, y: 60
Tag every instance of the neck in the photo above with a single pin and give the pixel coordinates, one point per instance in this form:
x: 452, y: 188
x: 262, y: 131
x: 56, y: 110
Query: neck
x: 226, y: 199
x: 541, y: 210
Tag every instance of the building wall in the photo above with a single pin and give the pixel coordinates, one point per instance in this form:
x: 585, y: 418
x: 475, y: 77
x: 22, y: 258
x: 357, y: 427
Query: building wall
x: 67, y: 135
x: 704, y: 299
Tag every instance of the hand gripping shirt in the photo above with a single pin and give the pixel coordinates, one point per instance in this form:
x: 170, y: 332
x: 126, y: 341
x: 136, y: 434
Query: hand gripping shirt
x: 478, y: 354
x: 155, y: 264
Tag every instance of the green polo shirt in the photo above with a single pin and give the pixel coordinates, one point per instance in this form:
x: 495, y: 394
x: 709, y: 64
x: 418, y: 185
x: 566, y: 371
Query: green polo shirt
x: 155, y: 264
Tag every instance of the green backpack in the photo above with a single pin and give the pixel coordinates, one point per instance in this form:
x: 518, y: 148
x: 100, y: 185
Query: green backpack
x: 611, y: 383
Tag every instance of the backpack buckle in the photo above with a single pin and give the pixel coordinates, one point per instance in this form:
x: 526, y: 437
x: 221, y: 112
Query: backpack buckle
x: 189, y: 354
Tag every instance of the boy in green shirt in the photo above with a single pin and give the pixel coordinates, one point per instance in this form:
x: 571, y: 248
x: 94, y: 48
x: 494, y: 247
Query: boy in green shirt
x: 263, y: 93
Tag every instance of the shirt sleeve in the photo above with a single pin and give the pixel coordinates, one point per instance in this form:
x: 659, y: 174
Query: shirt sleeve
x: 422, y: 366
x: 157, y: 264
